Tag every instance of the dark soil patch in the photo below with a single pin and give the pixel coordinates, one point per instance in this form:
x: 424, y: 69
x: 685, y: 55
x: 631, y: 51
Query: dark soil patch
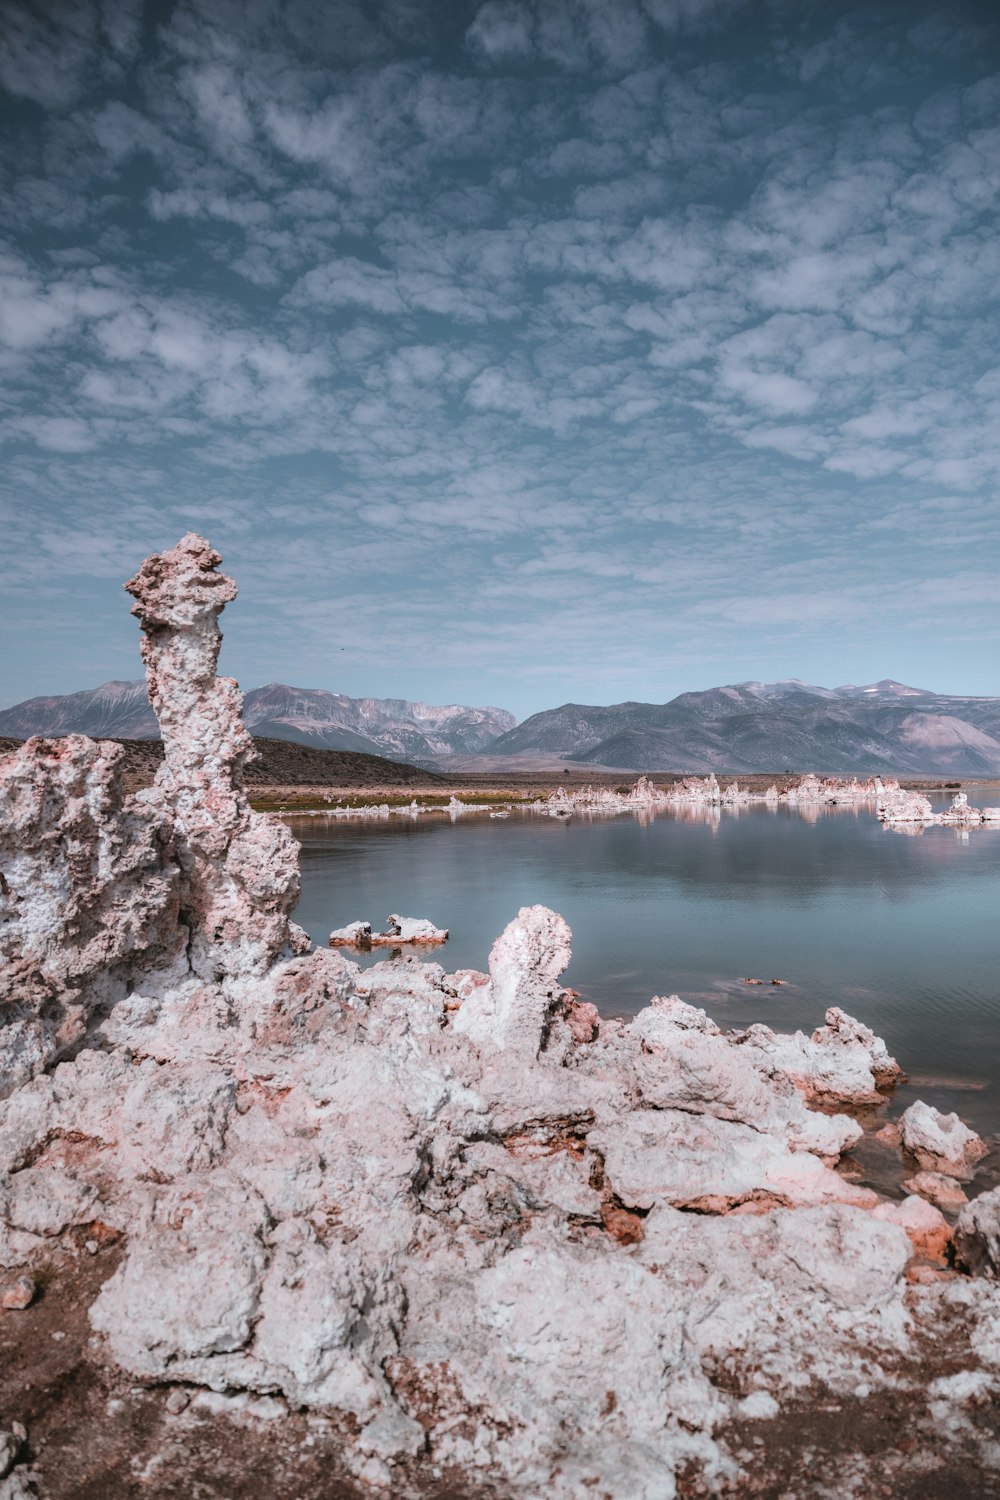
x: 882, y: 1447
x: 96, y: 1434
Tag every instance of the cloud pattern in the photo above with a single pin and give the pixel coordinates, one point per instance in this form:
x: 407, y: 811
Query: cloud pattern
x: 514, y: 351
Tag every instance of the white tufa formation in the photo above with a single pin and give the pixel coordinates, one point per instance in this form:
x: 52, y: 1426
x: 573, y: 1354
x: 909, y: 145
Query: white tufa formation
x: 239, y: 869
x: 493, y: 1233
x: 89, y: 896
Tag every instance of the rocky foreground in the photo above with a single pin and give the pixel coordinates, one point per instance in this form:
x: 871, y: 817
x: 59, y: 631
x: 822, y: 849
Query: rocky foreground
x: 437, y: 1233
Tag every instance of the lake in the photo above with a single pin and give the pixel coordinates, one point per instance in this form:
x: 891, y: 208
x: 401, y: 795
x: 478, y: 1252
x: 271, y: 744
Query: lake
x: 902, y: 931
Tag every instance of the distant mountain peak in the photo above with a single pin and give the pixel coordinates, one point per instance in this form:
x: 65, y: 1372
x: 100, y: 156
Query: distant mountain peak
x: 887, y: 688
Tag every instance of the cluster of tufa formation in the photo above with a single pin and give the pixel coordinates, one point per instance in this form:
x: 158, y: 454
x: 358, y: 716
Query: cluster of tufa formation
x: 480, y: 1227
x: 810, y: 792
x: 911, y: 810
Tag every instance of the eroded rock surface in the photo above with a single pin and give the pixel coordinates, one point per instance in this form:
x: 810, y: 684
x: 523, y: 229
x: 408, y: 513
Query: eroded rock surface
x: 488, y: 1230
x: 89, y: 896
x: 977, y: 1234
x: 940, y: 1142
x: 239, y: 869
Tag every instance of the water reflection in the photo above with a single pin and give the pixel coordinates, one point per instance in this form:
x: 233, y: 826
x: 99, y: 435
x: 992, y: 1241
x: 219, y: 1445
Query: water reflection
x: 901, y: 931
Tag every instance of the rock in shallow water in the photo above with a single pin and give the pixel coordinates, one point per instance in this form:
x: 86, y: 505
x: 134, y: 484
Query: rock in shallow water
x: 940, y: 1142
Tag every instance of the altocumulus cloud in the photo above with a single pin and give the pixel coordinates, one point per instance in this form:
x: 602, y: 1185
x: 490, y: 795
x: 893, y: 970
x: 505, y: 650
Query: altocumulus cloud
x: 517, y: 351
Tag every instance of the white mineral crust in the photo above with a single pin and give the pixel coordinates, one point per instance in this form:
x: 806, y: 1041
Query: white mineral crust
x: 940, y: 1142
x: 502, y: 1235
x: 893, y: 805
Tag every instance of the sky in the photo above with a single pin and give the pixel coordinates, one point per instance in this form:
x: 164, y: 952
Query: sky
x: 515, y: 352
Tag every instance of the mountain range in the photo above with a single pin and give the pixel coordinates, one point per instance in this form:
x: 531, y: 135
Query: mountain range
x: 776, y: 726
x: 392, y: 727
x: 748, y: 726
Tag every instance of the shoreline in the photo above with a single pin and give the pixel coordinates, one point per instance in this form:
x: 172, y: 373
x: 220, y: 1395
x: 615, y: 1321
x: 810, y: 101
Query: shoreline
x: 520, y: 796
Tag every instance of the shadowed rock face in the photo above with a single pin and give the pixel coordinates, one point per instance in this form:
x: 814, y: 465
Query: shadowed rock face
x: 487, y: 1229
x: 89, y: 896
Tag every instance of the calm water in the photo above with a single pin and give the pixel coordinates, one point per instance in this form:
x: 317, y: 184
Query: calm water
x: 904, y: 932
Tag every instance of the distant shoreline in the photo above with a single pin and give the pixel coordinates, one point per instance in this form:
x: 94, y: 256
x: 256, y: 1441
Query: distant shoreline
x: 293, y: 778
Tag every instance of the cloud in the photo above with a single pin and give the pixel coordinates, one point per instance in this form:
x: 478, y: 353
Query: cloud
x: 51, y: 52
x: 575, y: 34
x: 44, y: 50
x: 601, y: 309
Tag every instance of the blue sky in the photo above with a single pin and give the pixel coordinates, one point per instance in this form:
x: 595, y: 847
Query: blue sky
x: 512, y: 352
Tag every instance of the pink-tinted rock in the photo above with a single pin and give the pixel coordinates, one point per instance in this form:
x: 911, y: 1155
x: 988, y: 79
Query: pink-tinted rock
x: 940, y: 1142
x: 944, y: 1192
x: 842, y: 1061
x: 486, y: 1231
x: 89, y: 896
x: 239, y: 869
x: 410, y: 930
x: 928, y: 1230
x: 893, y: 805
x: 583, y: 1019
x: 354, y: 935
x: 17, y: 1293
x: 514, y: 1012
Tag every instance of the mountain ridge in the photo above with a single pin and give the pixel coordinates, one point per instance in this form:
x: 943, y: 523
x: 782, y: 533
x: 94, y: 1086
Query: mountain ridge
x: 390, y: 727
x: 775, y: 727
x: 748, y: 727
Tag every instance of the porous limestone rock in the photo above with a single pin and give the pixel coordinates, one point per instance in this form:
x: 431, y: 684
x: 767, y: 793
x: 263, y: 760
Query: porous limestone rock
x: 239, y: 869
x: 514, y: 1011
x: 15, y: 1482
x: 684, y: 1059
x: 977, y: 1235
x: 410, y: 930
x: 940, y: 1142
x: 960, y: 811
x: 944, y: 1192
x: 354, y: 935
x: 893, y: 805
x: 17, y: 1293
x: 926, y: 1227
x: 88, y: 896
x: 843, y: 1060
